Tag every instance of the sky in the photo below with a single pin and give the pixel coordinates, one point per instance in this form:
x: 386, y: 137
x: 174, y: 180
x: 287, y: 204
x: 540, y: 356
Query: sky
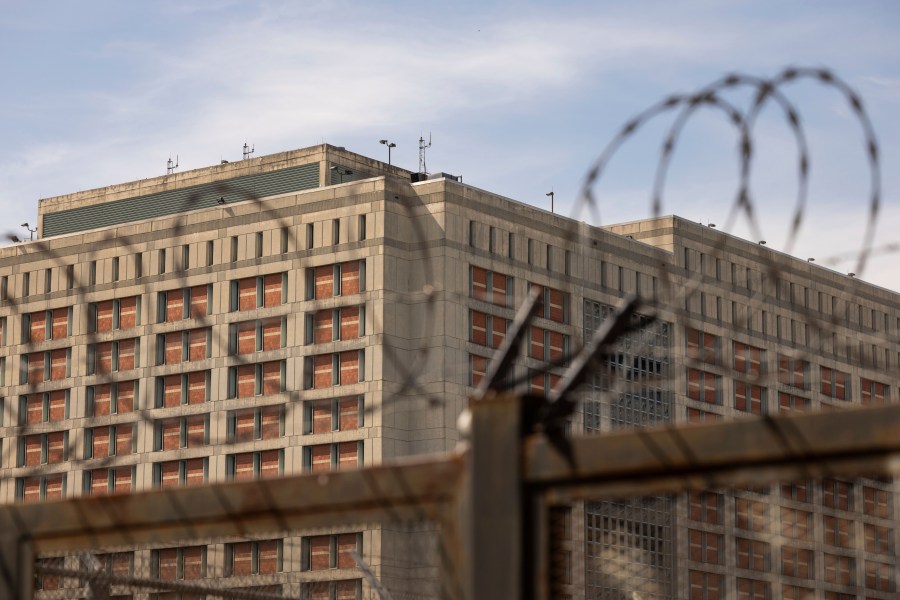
x: 519, y: 98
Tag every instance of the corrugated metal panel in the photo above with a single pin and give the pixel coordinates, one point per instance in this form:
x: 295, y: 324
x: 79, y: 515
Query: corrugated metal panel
x: 171, y: 202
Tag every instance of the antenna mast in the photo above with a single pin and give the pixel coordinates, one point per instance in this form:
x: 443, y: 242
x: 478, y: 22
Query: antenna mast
x: 422, y: 147
x: 248, y: 150
x: 170, y: 166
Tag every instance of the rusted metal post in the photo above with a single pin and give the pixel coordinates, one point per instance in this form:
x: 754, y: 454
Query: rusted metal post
x: 491, y: 500
x: 16, y: 566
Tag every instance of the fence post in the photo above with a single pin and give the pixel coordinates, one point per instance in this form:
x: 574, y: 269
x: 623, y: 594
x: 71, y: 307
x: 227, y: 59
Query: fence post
x: 491, y: 500
x: 16, y: 567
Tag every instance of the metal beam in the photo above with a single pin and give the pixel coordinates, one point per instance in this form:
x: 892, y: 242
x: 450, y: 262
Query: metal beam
x: 407, y: 490
x: 847, y: 442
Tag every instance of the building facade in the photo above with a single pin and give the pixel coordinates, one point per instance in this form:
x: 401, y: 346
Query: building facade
x: 317, y: 310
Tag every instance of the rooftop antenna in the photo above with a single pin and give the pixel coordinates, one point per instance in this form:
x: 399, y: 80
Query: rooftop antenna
x: 389, y: 146
x: 248, y: 150
x: 170, y: 166
x: 422, y: 147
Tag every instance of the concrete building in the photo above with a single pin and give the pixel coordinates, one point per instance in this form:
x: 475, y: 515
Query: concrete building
x: 316, y: 310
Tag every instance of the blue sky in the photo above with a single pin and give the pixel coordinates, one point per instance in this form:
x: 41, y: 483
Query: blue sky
x: 519, y: 97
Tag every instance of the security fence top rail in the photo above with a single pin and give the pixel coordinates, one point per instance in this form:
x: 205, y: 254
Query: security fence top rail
x: 489, y: 497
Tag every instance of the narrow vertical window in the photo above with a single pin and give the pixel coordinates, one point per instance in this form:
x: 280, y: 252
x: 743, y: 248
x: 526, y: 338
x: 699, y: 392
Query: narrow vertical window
x: 115, y: 268
x: 549, y: 257
x: 4, y: 287
x: 284, y: 239
x: 70, y: 278
x: 185, y: 257
x: 530, y: 251
x: 48, y: 279
x: 335, y: 232
x: 362, y: 227
x: 509, y: 246
x: 234, y: 248
x: 138, y: 265
x: 162, y: 261
x: 209, y: 253
x: 310, y: 230
x: 26, y: 283
x: 259, y: 244
x: 472, y: 234
x: 491, y: 234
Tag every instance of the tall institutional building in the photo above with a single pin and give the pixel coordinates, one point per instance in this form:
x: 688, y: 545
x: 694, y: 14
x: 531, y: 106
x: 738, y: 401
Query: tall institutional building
x: 266, y: 317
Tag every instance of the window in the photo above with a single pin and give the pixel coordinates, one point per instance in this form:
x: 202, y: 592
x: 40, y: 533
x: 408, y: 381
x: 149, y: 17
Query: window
x: 138, y: 265
x: 706, y: 586
x: 111, y: 440
x: 110, y: 399
x: 796, y: 524
x: 330, y: 551
x: 873, y: 392
x: 115, y: 268
x: 333, y: 457
x: 490, y: 286
x: 361, y: 227
x: 179, y: 473
x: 552, y: 304
x: 70, y: 278
x: 100, y: 482
x: 257, y: 336
x: 171, y: 564
x: 703, y: 347
x: 338, y: 414
x: 181, y: 432
x: 750, y: 514
x: 837, y: 494
x: 253, y: 558
x: 41, y: 326
x: 839, y: 569
x: 705, y: 507
x: 310, y: 240
x: 749, y: 398
x: 162, y: 261
x: 40, y: 488
x: 549, y: 262
x: 835, y: 384
x: 880, y: 576
x: 789, y: 403
x: 234, y: 248
x: 26, y: 282
x: 261, y: 379
x: 749, y: 359
x: 471, y: 234
x: 110, y: 357
x: 477, y: 369
x: 259, y: 244
x: 548, y: 345
x: 263, y: 291
x: 285, y: 236
x: 327, y: 370
x: 793, y: 372
x: 878, y: 539
x: 43, y: 449
x: 185, y: 257
x: 753, y: 589
x: 48, y: 276
x: 183, y: 346
x: 254, y: 465
x: 530, y: 251
x: 335, y: 232
x: 796, y: 562
x: 488, y: 330
x: 752, y: 554
x: 798, y: 490
x: 209, y: 253
x: 328, y: 325
x: 510, y: 247
x: 110, y: 315
x: 260, y: 423
x: 340, y: 279
x: 181, y: 388
x: 706, y: 547
x: 876, y: 503
x: 838, y: 532
x: 704, y: 386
